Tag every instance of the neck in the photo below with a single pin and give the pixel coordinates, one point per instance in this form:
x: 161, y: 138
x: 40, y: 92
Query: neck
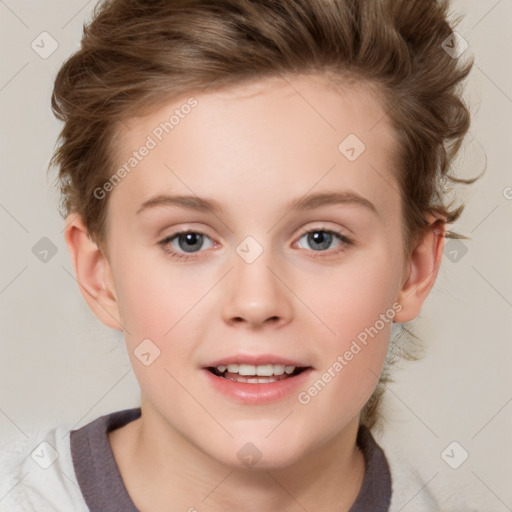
x: 175, y: 473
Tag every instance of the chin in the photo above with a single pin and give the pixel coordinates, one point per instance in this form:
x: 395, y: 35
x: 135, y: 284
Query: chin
x: 244, y: 454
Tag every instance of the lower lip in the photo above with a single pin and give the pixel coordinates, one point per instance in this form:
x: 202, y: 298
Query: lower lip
x: 246, y: 393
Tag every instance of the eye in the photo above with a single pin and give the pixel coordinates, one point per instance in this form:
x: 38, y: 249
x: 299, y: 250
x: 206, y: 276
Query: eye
x: 321, y: 239
x: 180, y: 245
x: 185, y: 245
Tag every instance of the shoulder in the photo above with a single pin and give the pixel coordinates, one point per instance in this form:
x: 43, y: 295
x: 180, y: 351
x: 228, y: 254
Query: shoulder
x: 409, y: 490
x: 36, y: 473
x: 415, y: 491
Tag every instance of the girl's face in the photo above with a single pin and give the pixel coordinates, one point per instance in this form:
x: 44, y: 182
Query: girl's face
x: 289, y: 260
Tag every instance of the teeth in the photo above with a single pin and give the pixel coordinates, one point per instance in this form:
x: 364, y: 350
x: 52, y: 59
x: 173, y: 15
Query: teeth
x: 255, y: 380
x: 278, y: 369
x: 263, y: 370
x: 246, y: 369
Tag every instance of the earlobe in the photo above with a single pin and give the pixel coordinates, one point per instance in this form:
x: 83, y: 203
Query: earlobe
x: 423, y: 267
x: 92, y: 271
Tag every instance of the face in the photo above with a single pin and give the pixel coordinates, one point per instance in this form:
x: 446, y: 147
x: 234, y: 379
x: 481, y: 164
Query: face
x: 283, y: 262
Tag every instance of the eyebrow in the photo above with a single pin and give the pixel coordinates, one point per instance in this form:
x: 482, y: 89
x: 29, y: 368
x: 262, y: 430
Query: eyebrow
x: 188, y: 202
x: 300, y: 204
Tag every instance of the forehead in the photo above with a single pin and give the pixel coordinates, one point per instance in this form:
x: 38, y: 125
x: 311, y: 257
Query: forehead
x: 273, y: 138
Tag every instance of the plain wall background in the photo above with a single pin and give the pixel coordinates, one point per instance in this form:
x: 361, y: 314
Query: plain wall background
x: 60, y: 366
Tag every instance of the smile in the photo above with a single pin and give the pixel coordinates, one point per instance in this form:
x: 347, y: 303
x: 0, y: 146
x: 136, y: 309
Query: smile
x: 256, y: 374
x: 256, y: 379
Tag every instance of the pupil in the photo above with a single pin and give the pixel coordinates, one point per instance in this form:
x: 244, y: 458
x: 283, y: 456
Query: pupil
x: 320, y: 238
x: 191, y: 240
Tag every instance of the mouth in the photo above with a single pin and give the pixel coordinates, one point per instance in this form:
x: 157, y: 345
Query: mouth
x: 256, y: 374
x: 252, y: 379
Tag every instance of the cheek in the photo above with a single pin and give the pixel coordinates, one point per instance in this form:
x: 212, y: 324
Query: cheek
x: 157, y: 307
x: 351, y: 361
x: 351, y: 297
x: 356, y: 307
x: 153, y: 297
x: 166, y: 305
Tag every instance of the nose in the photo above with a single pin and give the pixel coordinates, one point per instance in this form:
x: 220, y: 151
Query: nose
x: 255, y: 296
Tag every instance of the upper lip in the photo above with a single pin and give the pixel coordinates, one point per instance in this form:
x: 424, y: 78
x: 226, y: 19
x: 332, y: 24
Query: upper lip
x: 255, y: 360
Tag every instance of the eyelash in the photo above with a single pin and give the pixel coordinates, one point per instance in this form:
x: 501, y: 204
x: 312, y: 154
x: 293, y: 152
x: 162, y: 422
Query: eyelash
x: 164, y: 244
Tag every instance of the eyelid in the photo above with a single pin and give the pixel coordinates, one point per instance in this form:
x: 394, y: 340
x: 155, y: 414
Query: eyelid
x: 322, y: 227
x: 185, y: 229
x: 169, y: 238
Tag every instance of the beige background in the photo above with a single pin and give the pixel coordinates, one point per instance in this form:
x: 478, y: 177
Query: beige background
x: 59, y: 365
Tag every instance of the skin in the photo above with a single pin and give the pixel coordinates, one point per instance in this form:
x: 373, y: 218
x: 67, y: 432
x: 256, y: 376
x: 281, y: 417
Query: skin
x: 253, y: 148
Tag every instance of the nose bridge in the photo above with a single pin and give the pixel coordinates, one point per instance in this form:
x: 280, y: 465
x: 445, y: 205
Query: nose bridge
x: 255, y: 295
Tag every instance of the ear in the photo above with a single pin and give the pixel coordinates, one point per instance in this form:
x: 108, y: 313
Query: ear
x: 92, y: 271
x: 422, y: 269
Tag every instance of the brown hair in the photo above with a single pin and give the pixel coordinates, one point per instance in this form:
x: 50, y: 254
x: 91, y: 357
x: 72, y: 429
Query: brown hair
x: 137, y: 54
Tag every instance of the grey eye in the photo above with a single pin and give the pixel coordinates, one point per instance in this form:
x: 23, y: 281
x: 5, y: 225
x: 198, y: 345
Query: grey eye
x: 190, y: 242
x: 318, y: 240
